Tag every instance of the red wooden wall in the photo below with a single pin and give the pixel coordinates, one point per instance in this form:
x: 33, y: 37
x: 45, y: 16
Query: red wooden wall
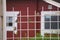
x: 21, y: 5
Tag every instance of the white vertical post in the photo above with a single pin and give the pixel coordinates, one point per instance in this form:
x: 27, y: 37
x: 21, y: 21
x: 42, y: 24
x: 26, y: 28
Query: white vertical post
x: 4, y: 27
x: 4, y: 6
x: 50, y: 27
x: 28, y: 23
x: 35, y: 25
x: 20, y: 25
x: 42, y: 26
x: 58, y: 25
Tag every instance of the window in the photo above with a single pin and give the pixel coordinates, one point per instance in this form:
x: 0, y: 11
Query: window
x: 54, y: 25
x: 49, y: 6
x: 53, y: 21
x: 47, y: 18
x: 50, y: 22
x: 47, y: 25
x: 53, y: 18
x: 9, y: 21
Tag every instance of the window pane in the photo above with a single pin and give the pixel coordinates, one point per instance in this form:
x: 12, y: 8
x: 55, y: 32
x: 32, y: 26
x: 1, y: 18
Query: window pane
x: 9, y: 19
x: 53, y: 18
x: 59, y: 18
x: 9, y: 24
x: 49, y: 6
x: 47, y: 18
x: 53, y: 25
x: 47, y: 25
x: 59, y: 25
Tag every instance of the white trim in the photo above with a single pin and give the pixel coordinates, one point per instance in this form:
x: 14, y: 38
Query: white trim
x: 4, y: 6
x: 53, y: 3
x: 4, y: 10
x: 35, y: 25
x: 20, y: 27
x: 28, y: 23
x: 14, y: 15
x: 54, y: 31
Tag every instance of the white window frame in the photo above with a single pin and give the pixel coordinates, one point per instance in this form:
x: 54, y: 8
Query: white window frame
x: 5, y: 13
x: 43, y: 30
x: 11, y: 14
x: 14, y: 15
x: 7, y: 21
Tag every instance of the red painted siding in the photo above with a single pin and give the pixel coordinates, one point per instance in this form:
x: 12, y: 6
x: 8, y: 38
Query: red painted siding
x: 21, y: 5
x: 9, y: 34
x: 23, y: 25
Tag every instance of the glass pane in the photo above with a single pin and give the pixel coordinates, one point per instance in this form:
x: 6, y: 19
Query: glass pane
x: 59, y: 25
x: 53, y: 18
x: 49, y: 6
x: 47, y: 18
x: 53, y: 25
x: 47, y: 25
x: 9, y: 24
x: 59, y: 18
x: 9, y: 19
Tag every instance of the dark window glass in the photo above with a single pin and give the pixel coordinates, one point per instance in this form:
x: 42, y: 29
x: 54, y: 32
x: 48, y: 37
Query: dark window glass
x: 53, y: 18
x: 59, y: 25
x: 47, y: 18
x: 9, y: 21
x: 59, y: 18
x: 9, y: 24
x: 53, y: 25
x: 47, y: 25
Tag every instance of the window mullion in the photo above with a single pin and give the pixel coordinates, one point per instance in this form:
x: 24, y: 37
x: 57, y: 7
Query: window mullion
x: 50, y: 27
x: 58, y: 25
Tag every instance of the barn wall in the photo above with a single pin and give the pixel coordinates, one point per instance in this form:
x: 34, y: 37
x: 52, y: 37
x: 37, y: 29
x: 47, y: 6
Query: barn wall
x: 21, y: 5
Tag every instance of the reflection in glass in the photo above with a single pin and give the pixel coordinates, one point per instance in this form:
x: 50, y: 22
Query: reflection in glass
x: 47, y: 18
